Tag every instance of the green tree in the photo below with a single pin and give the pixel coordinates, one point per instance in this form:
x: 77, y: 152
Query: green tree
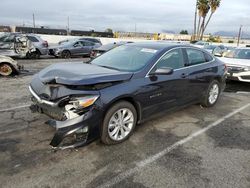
x: 204, y: 7
x: 184, y: 32
x: 109, y: 30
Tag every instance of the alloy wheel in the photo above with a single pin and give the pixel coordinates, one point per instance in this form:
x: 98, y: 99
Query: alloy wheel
x: 213, y: 93
x: 120, y: 124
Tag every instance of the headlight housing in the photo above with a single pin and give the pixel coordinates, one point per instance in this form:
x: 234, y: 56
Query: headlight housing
x: 84, y: 102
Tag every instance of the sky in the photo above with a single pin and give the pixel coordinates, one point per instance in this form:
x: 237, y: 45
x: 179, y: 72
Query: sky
x: 146, y: 15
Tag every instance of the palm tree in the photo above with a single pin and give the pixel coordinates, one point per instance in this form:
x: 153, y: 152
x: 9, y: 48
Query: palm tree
x: 203, y: 8
x: 214, y: 5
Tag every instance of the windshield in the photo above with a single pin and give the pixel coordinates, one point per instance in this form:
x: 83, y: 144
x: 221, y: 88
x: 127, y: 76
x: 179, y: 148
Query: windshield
x: 209, y: 47
x: 239, y: 54
x: 125, y: 58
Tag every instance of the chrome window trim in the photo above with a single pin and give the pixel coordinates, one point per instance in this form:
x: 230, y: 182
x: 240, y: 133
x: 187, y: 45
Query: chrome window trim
x: 186, y: 47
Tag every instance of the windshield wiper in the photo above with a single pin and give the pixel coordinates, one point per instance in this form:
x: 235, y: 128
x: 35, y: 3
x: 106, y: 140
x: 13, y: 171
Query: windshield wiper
x: 110, y: 67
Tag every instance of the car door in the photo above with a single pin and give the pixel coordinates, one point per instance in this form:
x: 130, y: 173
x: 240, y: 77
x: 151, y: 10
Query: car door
x: 77, y: 49
x: 164, y: 92
x: 200, y: 69
x: 87, y: 47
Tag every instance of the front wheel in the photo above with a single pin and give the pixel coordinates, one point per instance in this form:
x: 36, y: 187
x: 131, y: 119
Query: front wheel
x: 66, y: 54
x: 212, y: 94
x: 119, y: 123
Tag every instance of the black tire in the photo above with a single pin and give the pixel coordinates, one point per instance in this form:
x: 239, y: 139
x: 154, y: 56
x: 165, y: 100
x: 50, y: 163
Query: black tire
x: 206, y: 102
x: 6, y: 69
x: 33, y: 55
x: 66, y: 54
x: 37, y: 54
x: 105, y: 138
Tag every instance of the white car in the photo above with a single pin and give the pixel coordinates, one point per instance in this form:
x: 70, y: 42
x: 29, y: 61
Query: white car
x: 8, y: 66
x: 238, y: 63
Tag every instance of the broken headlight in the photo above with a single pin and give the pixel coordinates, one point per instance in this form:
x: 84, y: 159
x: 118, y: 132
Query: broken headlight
x: 84, y: 102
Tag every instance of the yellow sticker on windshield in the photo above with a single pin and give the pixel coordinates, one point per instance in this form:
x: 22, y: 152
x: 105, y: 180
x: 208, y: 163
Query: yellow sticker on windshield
x: 148, y: 50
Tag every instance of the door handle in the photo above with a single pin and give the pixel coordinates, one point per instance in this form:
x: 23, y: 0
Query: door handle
x: 184, y: 75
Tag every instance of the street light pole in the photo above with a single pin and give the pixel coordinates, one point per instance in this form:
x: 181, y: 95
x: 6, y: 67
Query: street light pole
x: 34, y: 22
x: 239, y: 35
x: 68, y: 25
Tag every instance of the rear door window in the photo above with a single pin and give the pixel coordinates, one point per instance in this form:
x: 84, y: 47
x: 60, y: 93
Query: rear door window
x: 32, y: 39
x: 195, y: 57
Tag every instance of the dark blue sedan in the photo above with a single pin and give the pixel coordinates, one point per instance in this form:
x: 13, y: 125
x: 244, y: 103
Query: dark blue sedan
x: 122, y: 88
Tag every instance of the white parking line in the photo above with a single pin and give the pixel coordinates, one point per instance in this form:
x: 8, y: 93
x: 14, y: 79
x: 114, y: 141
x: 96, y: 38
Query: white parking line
x: 157, y: 156
x: 14, y: 108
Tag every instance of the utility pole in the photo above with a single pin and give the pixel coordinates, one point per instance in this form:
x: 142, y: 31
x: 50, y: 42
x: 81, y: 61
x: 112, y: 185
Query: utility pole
x: 34, y: 22
x: 239, y: 35
x: 68, y: 25
x: 135, y: 29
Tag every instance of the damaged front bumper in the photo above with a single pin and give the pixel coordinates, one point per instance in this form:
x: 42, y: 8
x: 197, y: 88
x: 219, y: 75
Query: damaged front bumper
x: 70, y: 133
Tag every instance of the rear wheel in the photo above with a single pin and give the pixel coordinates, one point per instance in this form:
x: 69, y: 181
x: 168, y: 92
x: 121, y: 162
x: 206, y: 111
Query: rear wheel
x: 212, y: 94
x: 66, y: 54
x: 33, y: 55
x: 119, y: 123
x: 6, y: 69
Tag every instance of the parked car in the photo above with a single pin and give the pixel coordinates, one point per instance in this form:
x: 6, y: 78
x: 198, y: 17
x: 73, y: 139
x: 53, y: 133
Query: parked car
x: 124, y: 87
x: 215, y: 50
x: 104, y: 48
x: 73, y: 48
x: 238, y: 63
x: 201, y: 44
x: 8, y: 66
x: 32, y: 46
x: 40, y: 45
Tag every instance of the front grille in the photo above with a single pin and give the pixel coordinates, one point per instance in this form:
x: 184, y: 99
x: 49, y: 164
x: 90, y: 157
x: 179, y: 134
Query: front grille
x: 55, y: 114
x: 235, y: 69
x: 246, y: 77
x: 44, y: 96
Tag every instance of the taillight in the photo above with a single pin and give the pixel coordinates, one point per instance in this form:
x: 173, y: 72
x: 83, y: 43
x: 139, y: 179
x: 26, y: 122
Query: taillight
x: 45, y: 44
x: 93, y: 53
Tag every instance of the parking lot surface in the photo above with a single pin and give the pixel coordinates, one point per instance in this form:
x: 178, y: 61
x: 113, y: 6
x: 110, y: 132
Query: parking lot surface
x: 193, y: 147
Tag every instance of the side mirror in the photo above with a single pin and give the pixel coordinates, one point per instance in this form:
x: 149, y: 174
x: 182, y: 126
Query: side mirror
x: 163, y: 71
x: 218, y: 54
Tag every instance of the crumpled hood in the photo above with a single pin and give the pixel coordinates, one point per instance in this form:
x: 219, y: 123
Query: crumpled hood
x: 81, y: 74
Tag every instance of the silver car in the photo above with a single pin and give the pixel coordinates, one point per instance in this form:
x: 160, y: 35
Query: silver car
x: 73, y: 48
x: 40, y: 45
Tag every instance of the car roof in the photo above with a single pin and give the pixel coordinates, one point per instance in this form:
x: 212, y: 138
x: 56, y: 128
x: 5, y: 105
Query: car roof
x: 157, y: 45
